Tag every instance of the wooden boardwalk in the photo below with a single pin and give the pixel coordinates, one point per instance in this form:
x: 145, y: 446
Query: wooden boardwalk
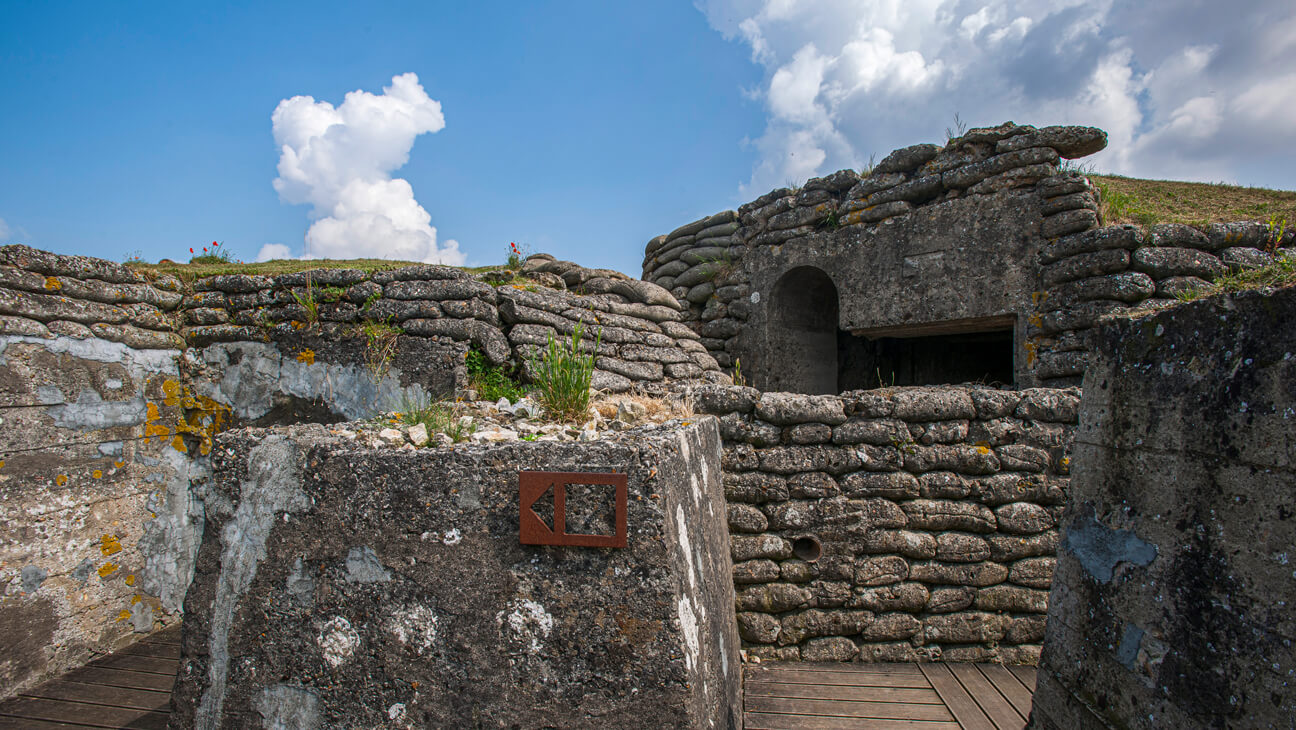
x: 132, y: 689
x: 129, y: 689
x: 801, y: 695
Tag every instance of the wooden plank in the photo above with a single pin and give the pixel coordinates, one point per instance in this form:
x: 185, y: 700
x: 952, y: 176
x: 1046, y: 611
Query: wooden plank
x: 1024, y: 674
x: 169, y: 635
x: 121, y: 678
x: 137, y: 663
x: 998, y: 709
x: 140, y: 699
x: 960, y: 703
x: 843, y: 708
x: 148, y: 648
x: 26, y: 723
x: 768, y: 721
x: 842, y: 692
x: 835, y: 667
x: 85, y: 714
x: 1004, y: 681
x: 850, y: 679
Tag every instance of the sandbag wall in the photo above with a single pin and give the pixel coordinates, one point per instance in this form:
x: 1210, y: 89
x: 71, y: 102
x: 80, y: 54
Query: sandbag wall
x: 890, y: 525
x: 1099, y: 271
x: 640, y: 343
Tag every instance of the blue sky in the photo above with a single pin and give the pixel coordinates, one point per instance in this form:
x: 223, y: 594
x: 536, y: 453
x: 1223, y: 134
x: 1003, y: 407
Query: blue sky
x: 581, y: 128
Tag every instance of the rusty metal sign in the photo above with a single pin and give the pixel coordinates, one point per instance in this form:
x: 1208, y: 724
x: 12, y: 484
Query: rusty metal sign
x: 532, y: 530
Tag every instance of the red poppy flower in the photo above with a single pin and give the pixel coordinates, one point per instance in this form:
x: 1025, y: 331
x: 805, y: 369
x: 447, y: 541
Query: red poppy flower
x: 191, y: 249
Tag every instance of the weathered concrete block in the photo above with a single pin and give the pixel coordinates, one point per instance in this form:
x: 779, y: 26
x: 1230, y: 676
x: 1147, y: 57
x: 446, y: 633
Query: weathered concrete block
x: 420, y: 594
x: 1170, y: 605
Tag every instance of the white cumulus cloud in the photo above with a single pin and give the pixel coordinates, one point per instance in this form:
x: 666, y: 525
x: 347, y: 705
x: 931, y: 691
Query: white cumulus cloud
x: 340, y: 161
x: 1203, y: 91
x: 273, y: 251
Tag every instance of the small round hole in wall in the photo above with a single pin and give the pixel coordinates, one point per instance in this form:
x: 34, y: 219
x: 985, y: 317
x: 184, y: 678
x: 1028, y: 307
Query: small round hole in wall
x: 807, y: 547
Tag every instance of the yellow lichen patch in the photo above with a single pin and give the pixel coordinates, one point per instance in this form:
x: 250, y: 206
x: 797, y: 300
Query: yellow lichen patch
x: 171, y: 389
x: 135, y: 600
x: 983, y: 450
x: 178, y: 444
x: 156, y: 429
x: 130, y: 579
x: 61, y: 479
x: 203, y: 417
x: 1039, y: 297
x: 306, y: 356
x: 53, y: 284
x: 1031, y: 354
x: 107, y: 569
x: 110, y: 544
x: 118, y: 464
x: 97, y: 473
x: 124, y: 615
x: 152, y: 412
x: 1, y: 463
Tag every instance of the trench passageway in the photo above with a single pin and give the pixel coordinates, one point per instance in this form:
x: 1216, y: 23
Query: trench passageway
x: 803, y: 695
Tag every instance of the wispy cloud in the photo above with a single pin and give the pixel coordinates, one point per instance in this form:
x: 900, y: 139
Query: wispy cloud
x: 4, y: 231
x: 340, y: 159
x: 848, y: 78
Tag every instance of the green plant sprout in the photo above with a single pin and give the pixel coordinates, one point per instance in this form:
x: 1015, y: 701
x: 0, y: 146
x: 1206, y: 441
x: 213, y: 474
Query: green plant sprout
x: 562, y: 376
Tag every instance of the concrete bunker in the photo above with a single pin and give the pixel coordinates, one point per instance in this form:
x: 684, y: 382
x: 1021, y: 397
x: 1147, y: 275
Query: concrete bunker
x: 813, y: 354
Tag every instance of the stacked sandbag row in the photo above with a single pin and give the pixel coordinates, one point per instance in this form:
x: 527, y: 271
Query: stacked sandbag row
x: 642, y: 341
x: 701, y: 263
x: 49, y: 295
x: 1096, y: 272
x: 637, y: 345
x: 688, y: 260
x: 894, y: 525
x: 432, y: 301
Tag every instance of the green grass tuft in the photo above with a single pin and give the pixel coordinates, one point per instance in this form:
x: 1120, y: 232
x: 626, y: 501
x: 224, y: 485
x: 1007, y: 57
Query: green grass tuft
x: 491, y: 383
x: 1280, y: 273
x: 562, y: 377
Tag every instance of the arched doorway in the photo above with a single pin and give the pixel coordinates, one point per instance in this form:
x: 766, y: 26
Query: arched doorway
x: 803, y: 333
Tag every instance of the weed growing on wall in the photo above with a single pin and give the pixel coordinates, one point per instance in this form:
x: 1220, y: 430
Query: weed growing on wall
x: 212, y: 254
x: 517, y: 254
x: 562, y: 377
x: 1280, y: 273
x: 332, y: 294
x: 959, y: 129
x: 1277, y: 229
x: 308, y: 301
x: 491, y: 383
x: 436, y: 417
x: 380, y: 346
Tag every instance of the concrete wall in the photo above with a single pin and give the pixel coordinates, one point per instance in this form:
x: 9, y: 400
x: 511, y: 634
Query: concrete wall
x: 934, y: 510
x: 97, y: 527
x: 1172, y: 604
x: 344, y: 586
